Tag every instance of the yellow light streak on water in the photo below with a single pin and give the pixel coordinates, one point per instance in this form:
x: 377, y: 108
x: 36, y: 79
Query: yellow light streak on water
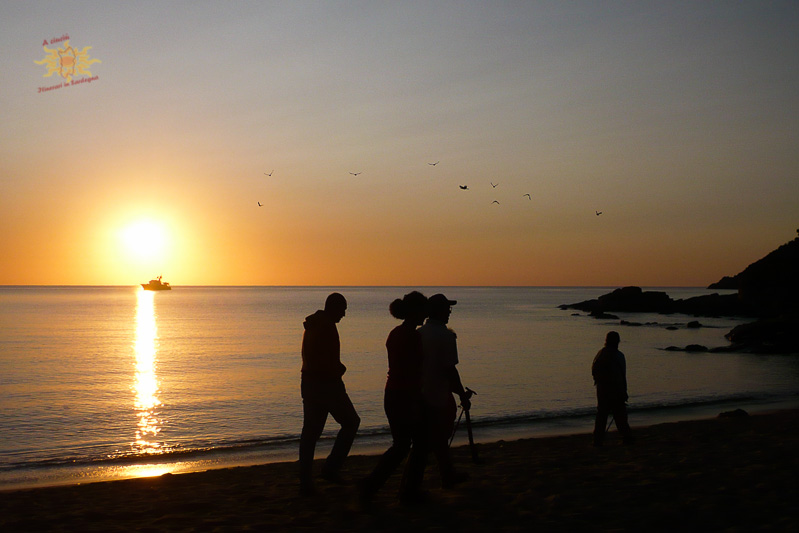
x: 146, y: 381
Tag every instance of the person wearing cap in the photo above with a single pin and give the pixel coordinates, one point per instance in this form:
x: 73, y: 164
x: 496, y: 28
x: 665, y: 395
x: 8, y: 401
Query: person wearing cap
x: 440, y: 380
x: 323, y: 393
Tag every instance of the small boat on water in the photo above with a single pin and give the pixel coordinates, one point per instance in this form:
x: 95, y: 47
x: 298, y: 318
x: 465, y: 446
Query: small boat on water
x: 156, y: 285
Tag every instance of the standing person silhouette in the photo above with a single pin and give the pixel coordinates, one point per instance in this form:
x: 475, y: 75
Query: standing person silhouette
x: 440, y: 379
x: 610, y: 377
x: 403, y: 402
x: 323, y: 393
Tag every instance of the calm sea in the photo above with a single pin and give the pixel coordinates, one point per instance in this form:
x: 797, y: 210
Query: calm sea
x: 110, y: 382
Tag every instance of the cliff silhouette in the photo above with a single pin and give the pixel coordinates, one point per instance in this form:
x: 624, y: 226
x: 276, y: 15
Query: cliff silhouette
x: 770, y: 286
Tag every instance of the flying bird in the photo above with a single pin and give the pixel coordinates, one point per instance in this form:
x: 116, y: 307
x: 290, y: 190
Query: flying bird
x: 495, y: 202
x: 598, y: 213
x: 433, y: 164
x: 354, y: 173
x: 492, y: 184
x: 464, y: 187
x: 528, y: 196
x: 260, y: 204
x: 270, y: 174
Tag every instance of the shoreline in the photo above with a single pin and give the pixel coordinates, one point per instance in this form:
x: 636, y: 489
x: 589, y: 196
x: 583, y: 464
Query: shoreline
x: 366, y: 445
x: 718, y: 473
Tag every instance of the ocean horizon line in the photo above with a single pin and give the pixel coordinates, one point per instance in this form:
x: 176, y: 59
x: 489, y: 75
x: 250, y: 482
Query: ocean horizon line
x: 36, y: 285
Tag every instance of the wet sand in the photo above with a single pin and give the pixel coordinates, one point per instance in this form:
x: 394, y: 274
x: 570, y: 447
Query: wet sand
x: 735, y: 474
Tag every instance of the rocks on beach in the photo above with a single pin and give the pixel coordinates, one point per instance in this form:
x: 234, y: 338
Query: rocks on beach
x: 737, y: 413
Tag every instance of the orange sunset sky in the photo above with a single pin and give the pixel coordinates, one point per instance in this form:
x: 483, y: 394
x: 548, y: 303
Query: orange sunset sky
x: 678, y: 121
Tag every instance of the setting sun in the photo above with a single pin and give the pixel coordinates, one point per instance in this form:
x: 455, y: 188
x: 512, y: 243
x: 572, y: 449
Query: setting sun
x: 144, y: 240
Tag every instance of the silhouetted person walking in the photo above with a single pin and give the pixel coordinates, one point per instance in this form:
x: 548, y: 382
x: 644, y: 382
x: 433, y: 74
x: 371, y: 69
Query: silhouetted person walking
x: 610, y: 377
x: 403, y: 402
x: 440, y: 379
x: 323, y: 393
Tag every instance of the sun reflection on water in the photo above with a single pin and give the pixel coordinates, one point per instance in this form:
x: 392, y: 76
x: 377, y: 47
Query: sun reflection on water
x: 146, y: 384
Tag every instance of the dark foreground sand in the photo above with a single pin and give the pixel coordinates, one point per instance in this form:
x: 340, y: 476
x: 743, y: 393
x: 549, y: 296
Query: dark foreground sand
x: 737, y: 474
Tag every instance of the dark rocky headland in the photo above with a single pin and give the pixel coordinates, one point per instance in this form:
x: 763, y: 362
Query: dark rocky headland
x: 766, y: 291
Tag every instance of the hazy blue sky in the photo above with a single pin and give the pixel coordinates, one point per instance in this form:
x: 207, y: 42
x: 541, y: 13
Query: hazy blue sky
x: 679, y: 121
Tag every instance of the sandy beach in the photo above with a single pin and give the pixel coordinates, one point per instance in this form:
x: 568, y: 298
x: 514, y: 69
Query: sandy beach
x: 727, y: 473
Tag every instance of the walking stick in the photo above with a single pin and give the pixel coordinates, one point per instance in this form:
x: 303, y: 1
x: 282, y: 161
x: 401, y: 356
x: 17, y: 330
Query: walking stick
x: 472, y: 446
x: 455, y: 429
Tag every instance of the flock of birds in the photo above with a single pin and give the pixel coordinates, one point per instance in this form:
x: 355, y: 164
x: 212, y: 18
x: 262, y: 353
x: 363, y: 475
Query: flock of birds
x: 494, y: 186
x: 462, y: 187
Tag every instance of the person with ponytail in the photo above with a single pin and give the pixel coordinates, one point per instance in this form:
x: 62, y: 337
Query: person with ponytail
x: 403, y: 402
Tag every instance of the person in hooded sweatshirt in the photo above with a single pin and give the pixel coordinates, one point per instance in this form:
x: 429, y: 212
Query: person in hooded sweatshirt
x: 609, y: 370
x: 323, y: 393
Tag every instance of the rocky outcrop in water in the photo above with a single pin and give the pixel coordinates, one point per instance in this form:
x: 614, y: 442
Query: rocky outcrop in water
x: 636, y: 300
x: 767, y: 335
x: 767, y: 289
